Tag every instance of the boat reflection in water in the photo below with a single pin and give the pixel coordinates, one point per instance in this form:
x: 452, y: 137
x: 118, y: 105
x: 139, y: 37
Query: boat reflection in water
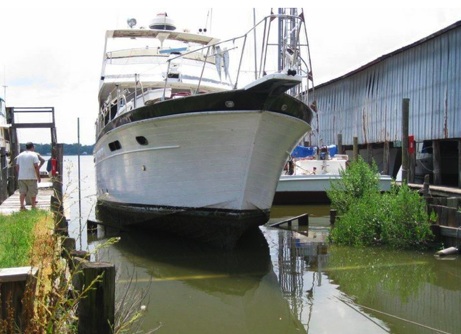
x: 272, y: 282
x: 300, y: 263
x: 191, y: 288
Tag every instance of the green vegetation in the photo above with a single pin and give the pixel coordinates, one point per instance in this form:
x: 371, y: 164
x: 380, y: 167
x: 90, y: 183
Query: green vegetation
x: 68, y: 149
x: 397, y: 218
x: 50, y: 302
x: 17, y: 237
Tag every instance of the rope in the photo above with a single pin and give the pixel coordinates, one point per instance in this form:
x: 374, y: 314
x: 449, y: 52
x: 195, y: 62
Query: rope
x: 424, y: 166
x: 396, y: 317
x: 366, y: 316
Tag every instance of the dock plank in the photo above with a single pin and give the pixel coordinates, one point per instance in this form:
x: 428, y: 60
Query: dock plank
x: 45, y: 191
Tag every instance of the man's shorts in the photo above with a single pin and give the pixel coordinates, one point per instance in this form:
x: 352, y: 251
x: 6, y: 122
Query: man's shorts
x: 28, y: 187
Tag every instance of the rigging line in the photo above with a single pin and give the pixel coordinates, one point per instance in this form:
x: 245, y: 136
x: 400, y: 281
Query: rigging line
x: 406, y: 320
x: 424, y: 166
x: 363, y: 314
x: 402, y: 319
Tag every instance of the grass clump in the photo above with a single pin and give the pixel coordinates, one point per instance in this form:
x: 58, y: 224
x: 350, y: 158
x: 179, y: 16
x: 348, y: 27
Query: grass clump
x: 17, y: 237
x: 50, y: 302
x: 397, y: 218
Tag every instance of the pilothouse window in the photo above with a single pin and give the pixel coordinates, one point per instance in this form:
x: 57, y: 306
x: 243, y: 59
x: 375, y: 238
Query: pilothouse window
x: 115, y: 145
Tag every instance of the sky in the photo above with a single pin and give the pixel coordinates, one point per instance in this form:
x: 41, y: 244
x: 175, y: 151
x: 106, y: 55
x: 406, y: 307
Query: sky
x: 51, y: 50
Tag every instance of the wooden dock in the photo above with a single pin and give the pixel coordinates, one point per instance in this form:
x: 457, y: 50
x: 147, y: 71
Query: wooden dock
x: 45, y: 191
x: 441, y: 191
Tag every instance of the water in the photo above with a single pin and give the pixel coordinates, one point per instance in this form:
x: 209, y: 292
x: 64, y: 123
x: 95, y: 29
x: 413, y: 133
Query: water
x: 275, y: 281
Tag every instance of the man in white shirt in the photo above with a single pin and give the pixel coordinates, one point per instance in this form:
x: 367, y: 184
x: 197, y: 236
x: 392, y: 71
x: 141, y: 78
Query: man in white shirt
x: 27, y: 168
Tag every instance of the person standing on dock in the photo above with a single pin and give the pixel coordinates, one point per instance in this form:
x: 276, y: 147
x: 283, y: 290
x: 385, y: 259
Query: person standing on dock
x: 27, y: 168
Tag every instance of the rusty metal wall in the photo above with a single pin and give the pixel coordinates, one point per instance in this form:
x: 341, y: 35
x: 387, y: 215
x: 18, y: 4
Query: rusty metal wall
x: 367, y: 102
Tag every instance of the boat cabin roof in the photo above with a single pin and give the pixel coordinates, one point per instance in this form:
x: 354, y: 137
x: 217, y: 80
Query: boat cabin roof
x: 162, y: 34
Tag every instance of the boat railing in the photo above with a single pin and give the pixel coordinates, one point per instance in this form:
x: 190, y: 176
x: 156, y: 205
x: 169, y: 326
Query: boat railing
x: 288, y: 54
x: 289, y: 44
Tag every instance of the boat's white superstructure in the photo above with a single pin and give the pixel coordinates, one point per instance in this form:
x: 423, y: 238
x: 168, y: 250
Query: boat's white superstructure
x: 181, y: 145
x: 311, y: 178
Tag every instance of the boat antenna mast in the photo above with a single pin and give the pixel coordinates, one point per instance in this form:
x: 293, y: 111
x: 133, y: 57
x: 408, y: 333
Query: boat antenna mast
x: 294, y: 54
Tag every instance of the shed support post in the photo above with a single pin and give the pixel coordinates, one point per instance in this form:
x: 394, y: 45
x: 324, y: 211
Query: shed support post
x: 356, y: 149
x: 405, y: 121
x: 340, y: 143
x: 436, y: 162
x: 459, y: 163
x: 386, y: 158
x: 369, y: 153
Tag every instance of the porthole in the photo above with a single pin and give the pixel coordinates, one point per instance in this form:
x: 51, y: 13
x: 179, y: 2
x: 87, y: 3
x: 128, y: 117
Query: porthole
x: 142, y: 140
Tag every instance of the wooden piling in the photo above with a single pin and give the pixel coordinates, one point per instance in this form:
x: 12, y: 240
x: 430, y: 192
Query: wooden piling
x: 332, y: 216
x: 340, y: 143
x: 4, y: 175
x: 412, y: 166
x: 369, y: 153
x: 436, y: 162
x: 426, y: 190
x: 303, y: 220
x: 386, y: 158
x: 355, y: 149
x: 68, y: 245
x: 58, y: 153
x: 96, y: 309
x: 459, y: 163
x: 405, y: 122
x: 57, y: 206
x: 13, y: 284
x: 60, y: 222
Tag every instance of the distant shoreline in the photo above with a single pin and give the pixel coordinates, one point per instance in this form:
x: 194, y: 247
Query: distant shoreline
x: 68, y: 149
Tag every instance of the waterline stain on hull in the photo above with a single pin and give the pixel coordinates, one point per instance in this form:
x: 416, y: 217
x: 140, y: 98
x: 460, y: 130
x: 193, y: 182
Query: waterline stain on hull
x: 216, y: 227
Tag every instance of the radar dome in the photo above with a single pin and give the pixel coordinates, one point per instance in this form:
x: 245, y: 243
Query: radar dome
x: 162, y: 22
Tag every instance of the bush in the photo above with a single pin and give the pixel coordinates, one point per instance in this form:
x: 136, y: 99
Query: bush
x: 408, y: 224
x: 367, y: 217
x: 359, y: 180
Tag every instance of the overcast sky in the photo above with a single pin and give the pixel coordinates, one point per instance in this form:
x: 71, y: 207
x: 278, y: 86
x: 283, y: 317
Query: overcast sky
x: 51, y: 53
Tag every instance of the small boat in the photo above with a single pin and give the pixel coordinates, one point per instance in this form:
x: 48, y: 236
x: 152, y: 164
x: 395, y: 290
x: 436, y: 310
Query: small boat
x: 188, y: 139
x: 308, y: 175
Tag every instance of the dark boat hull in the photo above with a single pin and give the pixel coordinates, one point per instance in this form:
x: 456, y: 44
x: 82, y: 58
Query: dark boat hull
x: 219, y: 228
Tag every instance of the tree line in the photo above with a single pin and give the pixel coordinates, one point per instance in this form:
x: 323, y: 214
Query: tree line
x: 68, y: 149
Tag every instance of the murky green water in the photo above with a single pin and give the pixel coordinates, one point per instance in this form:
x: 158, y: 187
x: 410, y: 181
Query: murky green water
x: 279, y: 281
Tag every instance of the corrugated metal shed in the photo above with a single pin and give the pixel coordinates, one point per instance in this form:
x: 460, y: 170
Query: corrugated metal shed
x: 367, y: 103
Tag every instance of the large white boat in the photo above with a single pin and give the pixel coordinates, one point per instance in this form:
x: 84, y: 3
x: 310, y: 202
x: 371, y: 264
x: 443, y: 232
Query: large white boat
x: 188, y: 139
